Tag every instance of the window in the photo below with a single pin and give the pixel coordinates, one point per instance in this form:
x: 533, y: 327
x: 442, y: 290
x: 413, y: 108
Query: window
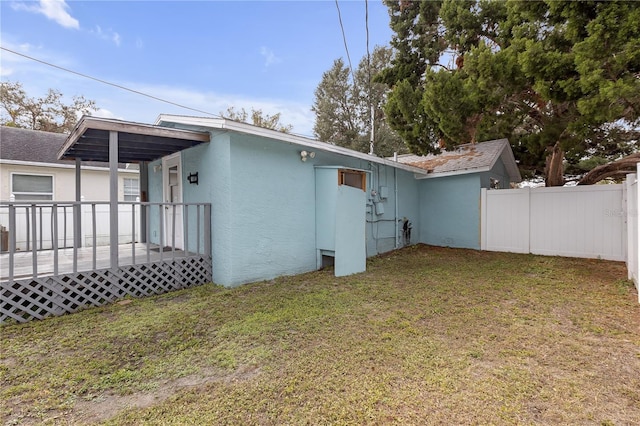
x: 131, y: 189
x: 354, y: 178
x: 31, y: 187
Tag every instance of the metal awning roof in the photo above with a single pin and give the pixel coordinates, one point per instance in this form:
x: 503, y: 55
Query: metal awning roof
x: 89, y: 140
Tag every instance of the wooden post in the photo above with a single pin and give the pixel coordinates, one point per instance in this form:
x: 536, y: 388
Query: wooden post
x: 77, y: 210
x: 113, y: 198
x: 144, y: 197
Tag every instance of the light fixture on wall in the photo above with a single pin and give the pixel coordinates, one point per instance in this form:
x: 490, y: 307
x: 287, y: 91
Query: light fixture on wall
x: 193, y: 178
x: 307, y: 154
x: 157, y: 168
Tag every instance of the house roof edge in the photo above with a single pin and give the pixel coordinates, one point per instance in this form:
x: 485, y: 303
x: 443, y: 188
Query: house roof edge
x: 226, y: 124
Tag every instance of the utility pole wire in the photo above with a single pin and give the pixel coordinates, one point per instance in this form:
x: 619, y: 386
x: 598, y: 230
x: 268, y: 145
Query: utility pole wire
x: 366, y: 25
x: 108, y: 83
x: 344, y: 38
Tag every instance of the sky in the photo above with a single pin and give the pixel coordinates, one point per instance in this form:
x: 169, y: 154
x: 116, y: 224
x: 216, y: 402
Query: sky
x: 208, y: 55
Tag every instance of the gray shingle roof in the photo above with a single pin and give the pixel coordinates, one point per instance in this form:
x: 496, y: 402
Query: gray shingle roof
x: 30, y: 145
x: 468, y: 158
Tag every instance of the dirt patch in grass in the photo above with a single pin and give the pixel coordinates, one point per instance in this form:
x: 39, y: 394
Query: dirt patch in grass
x: 108, y: 405
x: 427, y: 335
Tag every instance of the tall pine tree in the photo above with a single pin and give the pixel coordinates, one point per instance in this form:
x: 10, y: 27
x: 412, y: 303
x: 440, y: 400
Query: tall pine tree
x: 559, y: 79
x: 343, y: 107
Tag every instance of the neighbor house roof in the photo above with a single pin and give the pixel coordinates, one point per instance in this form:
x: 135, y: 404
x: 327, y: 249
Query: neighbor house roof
x: 30, y: 145
x: 468, y: 158
x: 26, y: 146
x: 209, y: 123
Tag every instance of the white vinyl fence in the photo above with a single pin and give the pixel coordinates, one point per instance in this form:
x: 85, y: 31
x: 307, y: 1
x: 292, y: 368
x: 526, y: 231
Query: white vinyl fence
x: 585, y: 221
x: 596, y: 221
x: 40, y: 218
x: 633, y: 231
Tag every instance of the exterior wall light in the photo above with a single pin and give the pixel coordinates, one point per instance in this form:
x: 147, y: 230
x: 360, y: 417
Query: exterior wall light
x: 193, y: 178
x: 307, y: 154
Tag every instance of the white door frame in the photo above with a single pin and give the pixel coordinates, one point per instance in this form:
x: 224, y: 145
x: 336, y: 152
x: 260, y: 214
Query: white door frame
x: 168, y: 162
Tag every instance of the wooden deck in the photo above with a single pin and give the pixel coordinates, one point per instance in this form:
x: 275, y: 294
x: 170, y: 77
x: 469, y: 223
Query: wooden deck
x: 23, y: 261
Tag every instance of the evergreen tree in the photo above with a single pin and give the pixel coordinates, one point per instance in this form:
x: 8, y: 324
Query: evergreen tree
x: 343, y: 107
x: 559, y: 79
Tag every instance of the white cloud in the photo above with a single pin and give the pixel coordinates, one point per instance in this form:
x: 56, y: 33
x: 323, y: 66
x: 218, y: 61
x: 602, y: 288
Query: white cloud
x: 270, y: 58
x: 56, y: 10
x: 121, y: 104
x: 105, y: 113
x: 10, y: 63
x: 108, y: 35
x: 141, y: 109
x: 5, y: 72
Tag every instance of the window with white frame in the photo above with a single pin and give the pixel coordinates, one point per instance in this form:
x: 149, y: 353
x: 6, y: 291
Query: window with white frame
x: 131, y: 189
x: 31, y: 187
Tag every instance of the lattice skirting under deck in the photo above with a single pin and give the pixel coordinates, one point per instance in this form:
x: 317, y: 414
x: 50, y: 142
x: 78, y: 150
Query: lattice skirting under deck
x: 24, y: 300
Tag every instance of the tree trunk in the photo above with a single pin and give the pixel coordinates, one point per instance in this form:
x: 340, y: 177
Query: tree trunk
x: 617, y: 169
x: 554, y: 168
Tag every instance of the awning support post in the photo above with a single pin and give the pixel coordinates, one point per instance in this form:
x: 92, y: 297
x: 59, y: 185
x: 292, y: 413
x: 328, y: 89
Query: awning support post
x: 113, y: 198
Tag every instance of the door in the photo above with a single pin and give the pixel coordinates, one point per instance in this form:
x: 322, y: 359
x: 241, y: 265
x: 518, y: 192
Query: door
x: 172, y: 184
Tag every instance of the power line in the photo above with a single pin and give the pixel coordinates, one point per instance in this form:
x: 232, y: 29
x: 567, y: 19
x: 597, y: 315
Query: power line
x: 366, y: 26
x: 344, y: 38
x: 108, y: 83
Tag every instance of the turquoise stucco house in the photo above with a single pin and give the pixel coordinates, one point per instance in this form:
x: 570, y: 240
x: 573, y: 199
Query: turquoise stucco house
x: 232, y: 203
x: 450, y: 191
x: 284, y: 204
x: 281, y: 204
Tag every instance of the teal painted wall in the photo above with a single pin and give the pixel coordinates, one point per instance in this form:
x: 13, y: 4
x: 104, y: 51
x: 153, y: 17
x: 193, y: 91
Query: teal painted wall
x: 198, y: 159
x: 450, y: 211
x: 273, y: 219
x: 212, y: 161
x: 271, y: 211
x: 263, y: 204
x: 497, y: 172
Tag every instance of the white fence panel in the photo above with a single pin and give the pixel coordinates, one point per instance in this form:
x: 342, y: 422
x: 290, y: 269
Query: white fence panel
x: 125, y: 230
x: 505, y: 217
x: 633, y: 232
x: 44, y: 224
x: 576, y: 222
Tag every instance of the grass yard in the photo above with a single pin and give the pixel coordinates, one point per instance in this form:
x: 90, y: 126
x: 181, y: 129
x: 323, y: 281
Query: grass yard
x: 426, y: 336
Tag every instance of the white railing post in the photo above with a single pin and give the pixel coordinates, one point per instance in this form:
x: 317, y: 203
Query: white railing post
x: 85, y: 211
x: 636, y: 236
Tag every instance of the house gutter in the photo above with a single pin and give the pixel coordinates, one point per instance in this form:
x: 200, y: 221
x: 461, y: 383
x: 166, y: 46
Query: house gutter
x: 234, y: 126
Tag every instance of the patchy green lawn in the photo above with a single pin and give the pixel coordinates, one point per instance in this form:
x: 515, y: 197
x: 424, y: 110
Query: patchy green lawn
x: 427, y: 335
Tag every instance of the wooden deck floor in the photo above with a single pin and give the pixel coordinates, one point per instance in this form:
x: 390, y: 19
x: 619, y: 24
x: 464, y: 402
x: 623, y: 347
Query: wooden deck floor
x: 23, y: 261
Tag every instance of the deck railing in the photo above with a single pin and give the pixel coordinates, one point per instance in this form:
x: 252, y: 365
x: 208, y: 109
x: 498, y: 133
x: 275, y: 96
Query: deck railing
x: 42, y: 230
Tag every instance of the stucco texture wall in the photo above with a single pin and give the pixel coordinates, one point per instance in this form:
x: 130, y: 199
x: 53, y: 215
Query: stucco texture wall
x: 450, y: 211
x: 263, y: 204
x: 271, y: 210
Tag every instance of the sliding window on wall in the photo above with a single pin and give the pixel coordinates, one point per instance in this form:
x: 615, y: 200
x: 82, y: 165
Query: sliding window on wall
x: 26, y: 187
x: 131, y: 189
